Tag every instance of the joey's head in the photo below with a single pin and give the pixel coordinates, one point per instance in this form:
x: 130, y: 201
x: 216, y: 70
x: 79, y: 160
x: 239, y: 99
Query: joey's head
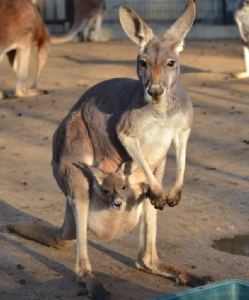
x: 158, y: 59
x: 111, y: 187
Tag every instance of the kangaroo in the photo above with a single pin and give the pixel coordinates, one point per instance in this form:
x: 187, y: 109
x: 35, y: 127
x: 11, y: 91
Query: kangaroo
x: 241, y: 17
x: 85, y: 12
x: 115, y: 205
x: 119, y: 120
x: 22, y: 26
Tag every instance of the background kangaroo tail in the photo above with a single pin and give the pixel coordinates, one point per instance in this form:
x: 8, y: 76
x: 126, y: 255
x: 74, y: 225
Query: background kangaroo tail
x: 77, y: 27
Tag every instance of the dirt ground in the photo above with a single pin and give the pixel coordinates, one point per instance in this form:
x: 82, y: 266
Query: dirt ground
x: 215, y: 200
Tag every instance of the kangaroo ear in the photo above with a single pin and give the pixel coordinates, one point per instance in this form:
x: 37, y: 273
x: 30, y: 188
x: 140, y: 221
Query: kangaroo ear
x: 128, y: 167
x: 121, y: 169
x: 94, y: 172
x: 181, y: 27
x: 136, y: 29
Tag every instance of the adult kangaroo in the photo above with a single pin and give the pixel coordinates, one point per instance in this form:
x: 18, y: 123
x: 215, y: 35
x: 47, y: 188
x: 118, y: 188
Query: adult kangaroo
x: 85, y: 12
x: 20, y: 27
x: 116, y: 121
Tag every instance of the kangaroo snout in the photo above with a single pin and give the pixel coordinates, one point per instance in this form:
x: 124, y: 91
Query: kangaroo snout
x: 118, y: 204
x: 155, y: 91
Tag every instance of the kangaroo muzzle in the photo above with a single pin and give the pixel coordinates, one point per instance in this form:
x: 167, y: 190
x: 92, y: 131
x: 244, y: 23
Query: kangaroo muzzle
x: 118, y: 204
x: 155, y: 91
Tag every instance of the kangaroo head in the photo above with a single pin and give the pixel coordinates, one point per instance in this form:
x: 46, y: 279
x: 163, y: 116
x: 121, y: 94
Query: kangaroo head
x: 158, y: 59
x: 111, y: 187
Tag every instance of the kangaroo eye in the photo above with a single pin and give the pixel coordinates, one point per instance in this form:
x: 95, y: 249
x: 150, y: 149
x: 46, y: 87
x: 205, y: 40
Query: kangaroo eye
x: 171, y: 64
x: 123, y: 188
x: 143, y: 64
x: 106, y: 192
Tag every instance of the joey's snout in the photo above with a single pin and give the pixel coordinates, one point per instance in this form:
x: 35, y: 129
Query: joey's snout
x: 118, y: 204
x: 155, y: 92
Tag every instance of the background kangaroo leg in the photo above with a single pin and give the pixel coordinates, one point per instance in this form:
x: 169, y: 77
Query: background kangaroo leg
x: 99, y: 20
x: 22, y: 73
x: 86, y: 31
x: 246, y: 57
x: 43, y: 51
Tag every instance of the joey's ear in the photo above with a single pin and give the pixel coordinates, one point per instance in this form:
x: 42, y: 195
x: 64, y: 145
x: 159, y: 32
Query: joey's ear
x: 96, y: 173
x: 128, y: 167
x: 121, y: 169
x: 181, y: 27
x: 136, y: 29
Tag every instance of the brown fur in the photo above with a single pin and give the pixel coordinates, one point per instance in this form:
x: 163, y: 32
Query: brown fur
x: 20, y: 27
x: 121, y: 120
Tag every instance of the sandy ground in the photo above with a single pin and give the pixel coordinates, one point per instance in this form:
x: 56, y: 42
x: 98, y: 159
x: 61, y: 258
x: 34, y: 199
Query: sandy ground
x: 215, y: 200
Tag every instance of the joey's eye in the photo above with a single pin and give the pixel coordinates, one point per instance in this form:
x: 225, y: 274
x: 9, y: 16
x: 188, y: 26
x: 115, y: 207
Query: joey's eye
x: 106, y: 192
x: 142, y: 63
x: 171, y: 64
x: 123, y: 188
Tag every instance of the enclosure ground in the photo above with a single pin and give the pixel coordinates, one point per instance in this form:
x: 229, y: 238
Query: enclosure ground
x: 215, y: 200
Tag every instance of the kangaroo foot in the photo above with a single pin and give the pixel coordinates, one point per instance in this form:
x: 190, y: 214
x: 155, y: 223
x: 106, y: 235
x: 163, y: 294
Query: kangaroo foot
x: 96, y: 290
x: 240, y: 75
x: 181, y: 276
x: 190, y: 280
x: 26, y: 93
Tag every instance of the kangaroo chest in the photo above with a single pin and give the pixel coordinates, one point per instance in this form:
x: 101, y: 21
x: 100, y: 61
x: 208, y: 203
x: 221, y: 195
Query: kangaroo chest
x: 155, y: 137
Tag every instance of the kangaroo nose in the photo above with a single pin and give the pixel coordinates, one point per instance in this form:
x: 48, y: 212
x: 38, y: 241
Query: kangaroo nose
x: 155, y: 91
x: 117, y: 203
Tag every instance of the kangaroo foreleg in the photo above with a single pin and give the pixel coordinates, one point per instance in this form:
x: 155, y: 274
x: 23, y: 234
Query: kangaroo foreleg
x: 147, y: 259
x: 180, y: 140
x: 132, y: 146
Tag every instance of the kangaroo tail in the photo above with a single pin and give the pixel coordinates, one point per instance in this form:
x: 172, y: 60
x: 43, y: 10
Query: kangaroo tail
x: 77, y: 27
x: 41, y: 232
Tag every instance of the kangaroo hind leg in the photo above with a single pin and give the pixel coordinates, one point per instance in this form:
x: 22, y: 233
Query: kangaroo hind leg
x: 147, y: 257
x: 22, y: 73
x: 43, y: 51
x: 79, y: 198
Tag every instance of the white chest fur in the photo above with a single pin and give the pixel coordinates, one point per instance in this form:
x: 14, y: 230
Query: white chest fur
x: 156, y: 134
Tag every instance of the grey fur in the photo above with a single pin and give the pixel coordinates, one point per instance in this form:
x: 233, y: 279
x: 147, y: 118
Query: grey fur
x: 119, y: 120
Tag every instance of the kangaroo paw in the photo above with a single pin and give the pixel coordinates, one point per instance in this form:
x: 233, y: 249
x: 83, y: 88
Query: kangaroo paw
x: 173, y: 198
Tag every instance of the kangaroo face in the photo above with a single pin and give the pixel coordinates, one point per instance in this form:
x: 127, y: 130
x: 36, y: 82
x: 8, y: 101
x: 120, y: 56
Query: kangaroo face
x: 158, y: 58
x: 157, y: 68
x: 114, y: 189
x: 110, y: 187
